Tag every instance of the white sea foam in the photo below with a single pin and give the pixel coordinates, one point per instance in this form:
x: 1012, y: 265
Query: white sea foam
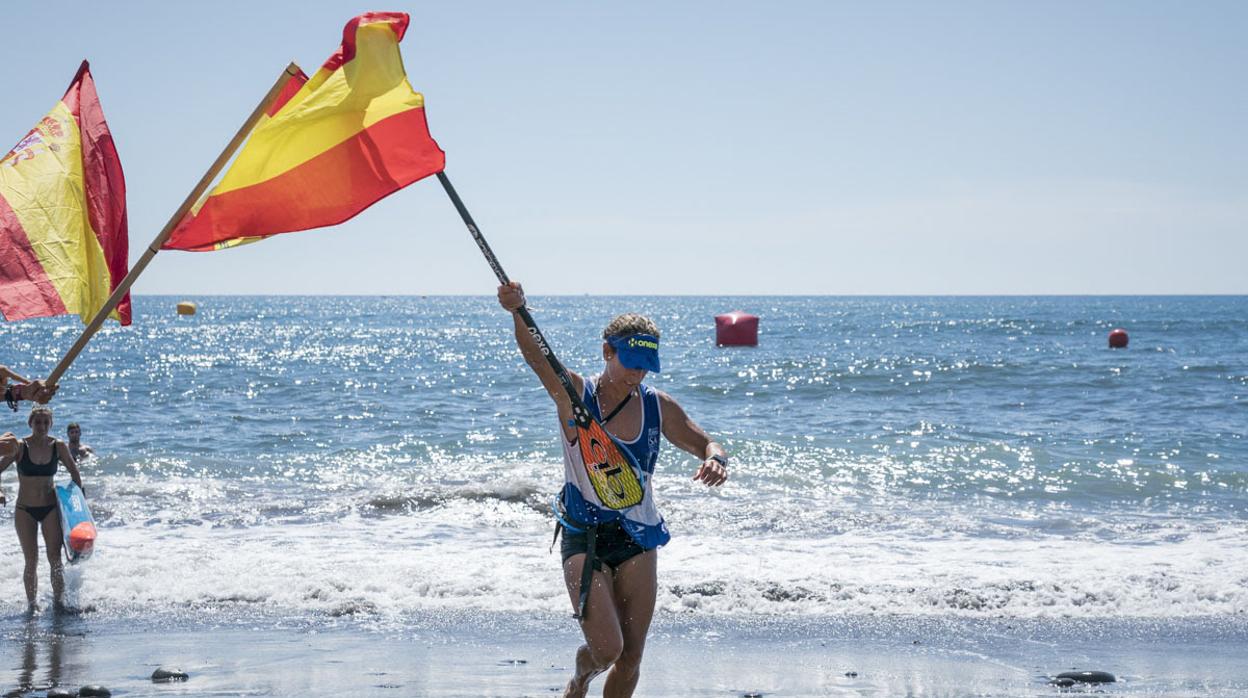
x: 474, y: 553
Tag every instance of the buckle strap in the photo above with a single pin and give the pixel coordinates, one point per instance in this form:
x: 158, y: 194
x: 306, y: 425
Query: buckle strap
x: 587, y: 571
x: 591, y: 552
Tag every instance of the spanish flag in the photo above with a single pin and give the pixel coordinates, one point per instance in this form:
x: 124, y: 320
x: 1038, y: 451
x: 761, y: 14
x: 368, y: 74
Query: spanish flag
x: 63, y: 242
x: 353, y: 133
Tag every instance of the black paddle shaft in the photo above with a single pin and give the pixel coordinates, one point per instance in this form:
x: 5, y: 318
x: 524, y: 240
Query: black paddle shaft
x: 578, y: 407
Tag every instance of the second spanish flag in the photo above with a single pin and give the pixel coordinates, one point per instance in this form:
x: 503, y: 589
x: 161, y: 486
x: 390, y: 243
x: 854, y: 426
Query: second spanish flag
x: 352, y: 134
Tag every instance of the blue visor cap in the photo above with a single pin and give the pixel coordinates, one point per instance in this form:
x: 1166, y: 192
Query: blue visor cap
x: 637, y: 351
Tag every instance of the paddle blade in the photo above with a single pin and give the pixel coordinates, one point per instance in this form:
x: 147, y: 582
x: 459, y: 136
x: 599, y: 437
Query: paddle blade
x: 611, y: 468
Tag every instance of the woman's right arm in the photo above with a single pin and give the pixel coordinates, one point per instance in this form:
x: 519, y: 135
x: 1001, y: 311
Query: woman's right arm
x: 8, y: 447
x: 6, y: 462
x: 511, y: 297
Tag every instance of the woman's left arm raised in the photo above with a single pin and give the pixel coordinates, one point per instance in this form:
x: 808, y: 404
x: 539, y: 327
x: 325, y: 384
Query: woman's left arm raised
x: 67, y: 458
x: 688, y: 436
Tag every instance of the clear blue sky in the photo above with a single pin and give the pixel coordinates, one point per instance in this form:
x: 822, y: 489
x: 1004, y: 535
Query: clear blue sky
x: 709, y: 147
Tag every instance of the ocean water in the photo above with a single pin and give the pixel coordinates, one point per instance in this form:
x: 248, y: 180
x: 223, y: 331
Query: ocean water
x: 377, y: 458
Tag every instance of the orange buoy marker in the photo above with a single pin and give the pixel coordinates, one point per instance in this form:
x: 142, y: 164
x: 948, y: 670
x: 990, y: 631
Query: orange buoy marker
x: 736, y: 329
x: 82, y: 538
x: 186, y: 308
x: 1118, y: 339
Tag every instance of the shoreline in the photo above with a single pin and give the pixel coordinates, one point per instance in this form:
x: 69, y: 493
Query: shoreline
x: 498, y: 654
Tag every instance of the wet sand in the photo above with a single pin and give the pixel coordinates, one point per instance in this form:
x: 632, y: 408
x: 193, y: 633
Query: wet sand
x: 500, y: 655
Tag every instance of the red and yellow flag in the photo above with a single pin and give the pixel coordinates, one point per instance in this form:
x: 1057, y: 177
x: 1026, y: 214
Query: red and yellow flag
x: 352, y: 134
x: 63, y: 241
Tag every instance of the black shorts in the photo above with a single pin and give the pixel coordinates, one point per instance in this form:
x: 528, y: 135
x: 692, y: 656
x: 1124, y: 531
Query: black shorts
x: 614, y: 546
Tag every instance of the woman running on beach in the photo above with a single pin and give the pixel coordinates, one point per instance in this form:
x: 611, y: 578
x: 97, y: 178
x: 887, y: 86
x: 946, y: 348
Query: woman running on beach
x: 37, y: 458
x: 615, y: 617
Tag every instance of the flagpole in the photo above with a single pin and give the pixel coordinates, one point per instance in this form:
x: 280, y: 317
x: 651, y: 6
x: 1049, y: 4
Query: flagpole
x: 292, y: 70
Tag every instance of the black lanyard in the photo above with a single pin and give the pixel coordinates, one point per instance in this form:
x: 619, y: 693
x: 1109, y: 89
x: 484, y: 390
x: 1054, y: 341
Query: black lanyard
x: 617, y: 407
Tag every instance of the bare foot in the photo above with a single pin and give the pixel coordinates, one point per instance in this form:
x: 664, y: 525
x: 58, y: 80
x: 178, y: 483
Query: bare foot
x: 572, y: 691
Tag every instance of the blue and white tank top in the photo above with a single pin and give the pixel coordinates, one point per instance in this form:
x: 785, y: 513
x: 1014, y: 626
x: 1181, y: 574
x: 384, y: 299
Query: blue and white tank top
x: 642, y: 522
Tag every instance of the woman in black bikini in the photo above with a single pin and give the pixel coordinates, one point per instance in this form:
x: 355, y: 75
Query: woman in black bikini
x: 37, y: 458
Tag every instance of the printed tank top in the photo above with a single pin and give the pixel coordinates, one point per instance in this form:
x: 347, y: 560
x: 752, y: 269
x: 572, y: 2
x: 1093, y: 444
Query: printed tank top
x: 642, y: 522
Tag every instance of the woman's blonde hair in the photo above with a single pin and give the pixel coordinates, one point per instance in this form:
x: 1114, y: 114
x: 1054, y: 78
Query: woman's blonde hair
x: 630, y: 323
x: 39, y: 409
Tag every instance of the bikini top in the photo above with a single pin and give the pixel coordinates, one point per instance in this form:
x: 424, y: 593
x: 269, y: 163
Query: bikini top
x: 29, y: 468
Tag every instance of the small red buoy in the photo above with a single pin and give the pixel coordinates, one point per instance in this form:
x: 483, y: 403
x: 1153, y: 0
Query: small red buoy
x: 1118, y: 339
x: 736, y: 329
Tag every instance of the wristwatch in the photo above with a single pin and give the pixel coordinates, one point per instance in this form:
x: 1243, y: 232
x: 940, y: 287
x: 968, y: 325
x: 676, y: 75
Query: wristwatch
x: 720, y: 459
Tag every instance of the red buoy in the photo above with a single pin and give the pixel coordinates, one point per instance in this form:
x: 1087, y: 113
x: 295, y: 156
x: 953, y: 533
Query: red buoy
x: 1118, y: 339
x: 736, y: 329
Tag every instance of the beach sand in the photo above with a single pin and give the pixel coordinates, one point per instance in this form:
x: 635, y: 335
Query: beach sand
x: 501, y: 655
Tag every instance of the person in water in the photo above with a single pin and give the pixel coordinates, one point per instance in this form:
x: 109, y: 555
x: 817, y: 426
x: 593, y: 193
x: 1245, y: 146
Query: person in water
x: 37, y: 458
x: 615, y: 614
x: 20, y: 389
x: 77, y: 448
